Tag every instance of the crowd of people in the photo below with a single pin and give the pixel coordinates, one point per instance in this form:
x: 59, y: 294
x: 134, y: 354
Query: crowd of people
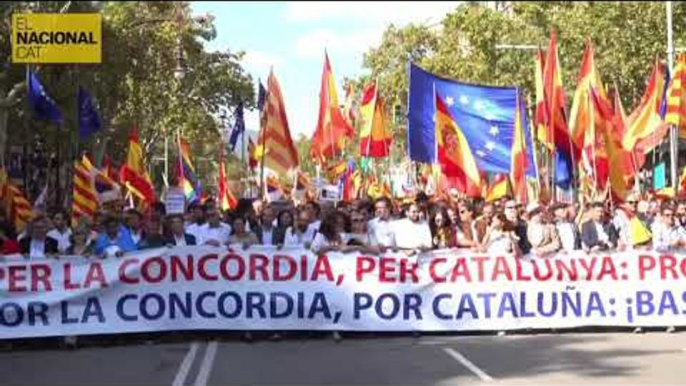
x: 411, y: 226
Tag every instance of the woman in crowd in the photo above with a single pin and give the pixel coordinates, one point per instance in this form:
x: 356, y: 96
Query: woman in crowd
x: 541, y: 233
x: 330, y: 235
x: 81, y: 243
x: 359, y: 238
x: 466, y: 236
x: 442, y: 229
x: 500, y: 237
x: 239, y: 235
x: 283, y: 221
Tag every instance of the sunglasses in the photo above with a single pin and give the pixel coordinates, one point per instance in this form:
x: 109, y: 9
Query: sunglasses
x: 632, y: 202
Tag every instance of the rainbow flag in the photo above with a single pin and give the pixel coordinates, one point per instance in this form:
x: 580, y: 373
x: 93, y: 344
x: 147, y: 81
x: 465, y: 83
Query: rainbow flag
x: 185, y: 173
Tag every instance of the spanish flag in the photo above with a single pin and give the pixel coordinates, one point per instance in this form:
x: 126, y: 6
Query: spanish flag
x: 275, y: 142
x: 645, y: 122
x: 500, y: 188
x: 133, y: 174
x: 252, y: 154
x: 520, y: 161
x: 541, y: 120
x: 375, y: 138
x: 454, y: 154
x: 332, y: 127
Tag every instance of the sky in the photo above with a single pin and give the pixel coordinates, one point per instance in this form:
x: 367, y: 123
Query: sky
x: 291, y: 37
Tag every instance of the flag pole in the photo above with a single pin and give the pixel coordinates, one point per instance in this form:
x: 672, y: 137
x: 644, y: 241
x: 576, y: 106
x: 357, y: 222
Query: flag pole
x: 674, y: 139
x: 263, y: 135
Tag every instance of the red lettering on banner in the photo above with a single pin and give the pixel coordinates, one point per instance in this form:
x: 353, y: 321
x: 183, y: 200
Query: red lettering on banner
x: 409, y: 268
x: 303, y: 268
x: 364, y: 265
x: 667, y: 264
x: 147, y: 270
x: 122, y: 271
x: 432, y: 270
x: 177, y: 265
x: 537, y: 273
x: 501, y: 268
x: 224, y: 267
x: 40, y: 273
x: 68, y: 285
x: 480, y: 263
x: 386, y: 270
x: 259, y: 263
x: 17, y: 277
x: 607, y: 268
x: 562, y: 267
x: 460, y: 269
x: 520, y: 274
x: 202, y: 271
x: 322, y: 267
x: 291, y: 270
x: 645, y: 263
x: 95, y: 274
x: 588, y: 267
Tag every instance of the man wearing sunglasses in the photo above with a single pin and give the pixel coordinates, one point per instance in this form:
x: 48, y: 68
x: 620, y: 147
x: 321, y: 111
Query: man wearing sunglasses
x: 512, y: 215
x: 667, y: 235
x: 622, y: 218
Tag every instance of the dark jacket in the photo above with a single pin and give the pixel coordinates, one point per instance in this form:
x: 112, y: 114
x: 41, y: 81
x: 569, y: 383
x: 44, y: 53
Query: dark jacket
x: 153, y: 241
x: 170, y: 240
x: 50, y: 245
x: 589, y: 235
x: 523, y: 243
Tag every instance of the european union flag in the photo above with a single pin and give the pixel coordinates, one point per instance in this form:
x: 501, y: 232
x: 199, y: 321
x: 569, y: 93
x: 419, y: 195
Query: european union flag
x: 89, y: 119
x: 238, y: 126
x: 486, y: 116
x: 44, y: 107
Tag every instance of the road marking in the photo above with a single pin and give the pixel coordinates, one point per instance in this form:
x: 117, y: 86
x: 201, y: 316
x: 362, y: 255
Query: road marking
x: 468, y: 364
x: 185, y: 367
x: 206, y: 365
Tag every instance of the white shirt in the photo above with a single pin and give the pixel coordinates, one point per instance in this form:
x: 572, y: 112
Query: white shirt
x: 664, y: 236
x: 366, y: 239
x: 411, y: 235
x: 219, y: 233
x: 566, y: 232
x: 602, y: 236
x: 195, y: 230
x: 314, y: 227
x: 293, y: 238
x: 136, y: 236
x: 499, y: 243
x: 63, y: 242
x: 37, y: 248
x: 180, y: 241
x: 382, y: 231
x: 319, y: 242
x: 622, y: 223
x: 267, y: 236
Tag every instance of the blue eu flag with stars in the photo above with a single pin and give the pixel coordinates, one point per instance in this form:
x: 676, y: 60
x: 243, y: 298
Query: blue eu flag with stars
x: 238, y: 126
x: 486, y: 115
x: 89, y: 119
x: 44, y: 107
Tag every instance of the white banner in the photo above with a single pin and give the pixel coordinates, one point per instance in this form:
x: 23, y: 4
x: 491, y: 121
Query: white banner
x: 196, y: 288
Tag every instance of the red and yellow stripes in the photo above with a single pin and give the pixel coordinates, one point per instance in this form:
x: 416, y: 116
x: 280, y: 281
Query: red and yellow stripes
x: 676, y: 106
x: 84, y: 200
x: 133, y: 174
x: 375, y: 138
x: 519, y: 161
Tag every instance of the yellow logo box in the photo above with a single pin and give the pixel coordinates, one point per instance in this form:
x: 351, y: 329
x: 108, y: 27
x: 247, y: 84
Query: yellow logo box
x: 56, y: 38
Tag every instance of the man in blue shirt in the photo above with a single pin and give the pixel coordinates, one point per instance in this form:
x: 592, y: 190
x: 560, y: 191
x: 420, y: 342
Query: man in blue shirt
x: 115, y: 241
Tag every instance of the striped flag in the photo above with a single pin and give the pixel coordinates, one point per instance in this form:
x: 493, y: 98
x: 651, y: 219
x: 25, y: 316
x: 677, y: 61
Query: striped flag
x: 17, y: 207
x: 280, y: 154
x: 227, y: 200
x: 520, y: 160
x: 133, y: 174
x: 185, y: 172
x: 676, y: 106
x: 375, y: 137
x: 84, y: 196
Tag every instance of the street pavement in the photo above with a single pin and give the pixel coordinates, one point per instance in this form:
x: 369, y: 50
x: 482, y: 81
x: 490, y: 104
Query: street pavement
x: 218, y: 359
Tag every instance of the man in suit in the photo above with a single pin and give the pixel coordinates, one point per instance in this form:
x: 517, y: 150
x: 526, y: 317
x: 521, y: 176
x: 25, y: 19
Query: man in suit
x: 265, y: 232
x: 596, y: 235
x: 177, y: 236
x: 38, y: 244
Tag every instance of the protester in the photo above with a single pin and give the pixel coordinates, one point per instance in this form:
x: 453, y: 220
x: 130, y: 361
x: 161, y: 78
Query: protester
x: 283, y: 221
x: 300, y: 233
x: 513, y: 217
x: 500, y: 238
x: 622, y: 218
x: 543, y: 236
x: 197, y: 222
x: 443, y: 233
x: 214, y: 232
x: 330, y: 235
x: 115, y: 240
x: 154, y: 234
x: 596, y: 235
x: 667, y: 236
x: 680, y: 216
x: 80, y: 242
x: 37, y: 243
x: 483, y: 221
x: 381, y: 227
x: 177, y: 235
x: 265, y: 232
x: 570, y: 239
x: 60, y: 231
x: 466, y: 227
x: 412, y: 233
x: 133, y: 221
x: 239, y: 235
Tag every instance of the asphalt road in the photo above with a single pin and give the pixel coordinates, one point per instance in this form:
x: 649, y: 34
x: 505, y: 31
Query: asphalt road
x: 209, y: 359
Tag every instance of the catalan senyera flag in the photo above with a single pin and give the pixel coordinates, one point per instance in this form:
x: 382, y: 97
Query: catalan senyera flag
x: 336, y: 171
x: 252, y: 154
x: 500, y: 188
x: 375, y: 137
x: 185, y: 172
x: 133, y: 174
x: 558, y: 132
x: 332, y: 127
x: 227, y: 200
x: 541, y: 120
x: 17, y: 206
x: 454, y: 154
x: 520, y: 159
x: 676, y: 105
x: 279, y: 152
x: 84, y: 196
x: 645, y: 123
